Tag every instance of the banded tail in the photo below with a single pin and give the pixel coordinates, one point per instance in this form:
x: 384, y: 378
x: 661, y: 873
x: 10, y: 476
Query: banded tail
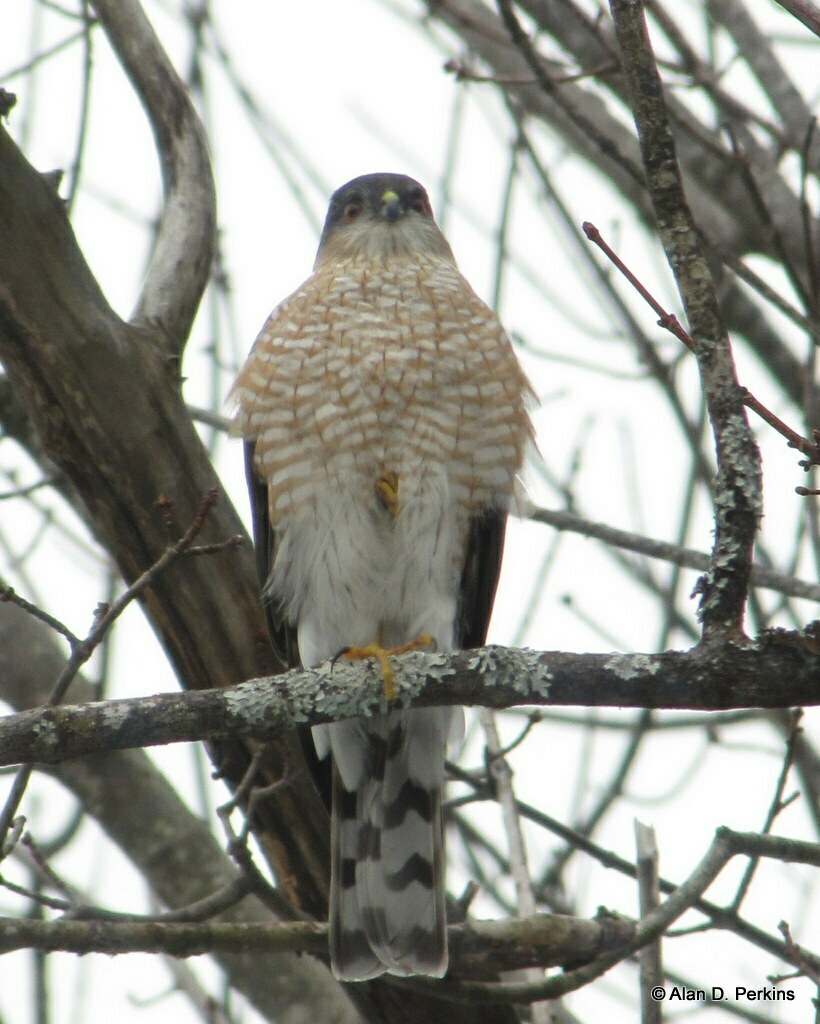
x: 387, y: 897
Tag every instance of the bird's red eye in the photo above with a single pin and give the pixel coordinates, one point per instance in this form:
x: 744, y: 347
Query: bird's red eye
x: 352, y: 210
x: 419, y: 203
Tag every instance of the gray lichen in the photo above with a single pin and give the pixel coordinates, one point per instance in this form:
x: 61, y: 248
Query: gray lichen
x: 631, y: 666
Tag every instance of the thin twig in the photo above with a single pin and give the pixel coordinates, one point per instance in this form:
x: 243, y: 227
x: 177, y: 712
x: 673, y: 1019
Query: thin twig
x: 671, y: 323
x: 9, y: 594
x: 762, y: 576
x: 725, y: 846
x: 22, y: 492
x: 43, y: 55
x: 650, y: 959
x: 465, y: 73
x: 82, y: 122
x: 765, y: 290
x: 720, y: 917
x: 254, y: 880
x: 666, y: 320
x: 611, y: 792
x: 777, y: 805
x: 798, y: 956
x: 499, y: 771
x: 81, y: 650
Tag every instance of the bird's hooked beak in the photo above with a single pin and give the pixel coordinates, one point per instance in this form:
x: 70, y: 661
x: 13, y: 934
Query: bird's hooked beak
x: 392, y: 208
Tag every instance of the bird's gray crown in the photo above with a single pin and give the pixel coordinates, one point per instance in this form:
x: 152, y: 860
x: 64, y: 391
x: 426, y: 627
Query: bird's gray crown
x: 380, y: 216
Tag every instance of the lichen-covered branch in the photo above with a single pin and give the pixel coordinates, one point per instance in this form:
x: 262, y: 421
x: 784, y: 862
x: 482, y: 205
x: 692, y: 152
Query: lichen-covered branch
x: 781, y: 670
x: 738, y: 501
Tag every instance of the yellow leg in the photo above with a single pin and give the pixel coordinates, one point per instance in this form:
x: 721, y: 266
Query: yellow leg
x: 382, y: 655
x: 387, y: 491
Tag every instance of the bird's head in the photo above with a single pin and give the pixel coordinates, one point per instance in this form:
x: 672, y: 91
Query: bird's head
x: 380, y: 217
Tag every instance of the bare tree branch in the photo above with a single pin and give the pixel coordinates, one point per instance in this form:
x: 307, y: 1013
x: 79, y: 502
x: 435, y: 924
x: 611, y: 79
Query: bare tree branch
x: 720, y: 917
x: 184, y: 245
x: 477, y: 948
x: 139, y: 810
x: 688, y: 557
x: 500, y: 772
x: 718, y: 191
x: 105, y: 398
x: 650, y: 958
x: 671, y: 323
x: 108, y: 410
x: 805, y: 11
x: 107, y: 405
x: 726, y: 844
x: 757, y: 50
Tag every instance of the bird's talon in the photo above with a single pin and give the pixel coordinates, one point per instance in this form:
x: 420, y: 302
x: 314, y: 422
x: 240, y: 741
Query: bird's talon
x: 416, y: 644
x: 353, y: 653
x: 382, y: 655
x: 336, y: 656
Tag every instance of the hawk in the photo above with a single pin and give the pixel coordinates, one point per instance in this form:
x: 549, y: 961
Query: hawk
x: 385, y: 421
